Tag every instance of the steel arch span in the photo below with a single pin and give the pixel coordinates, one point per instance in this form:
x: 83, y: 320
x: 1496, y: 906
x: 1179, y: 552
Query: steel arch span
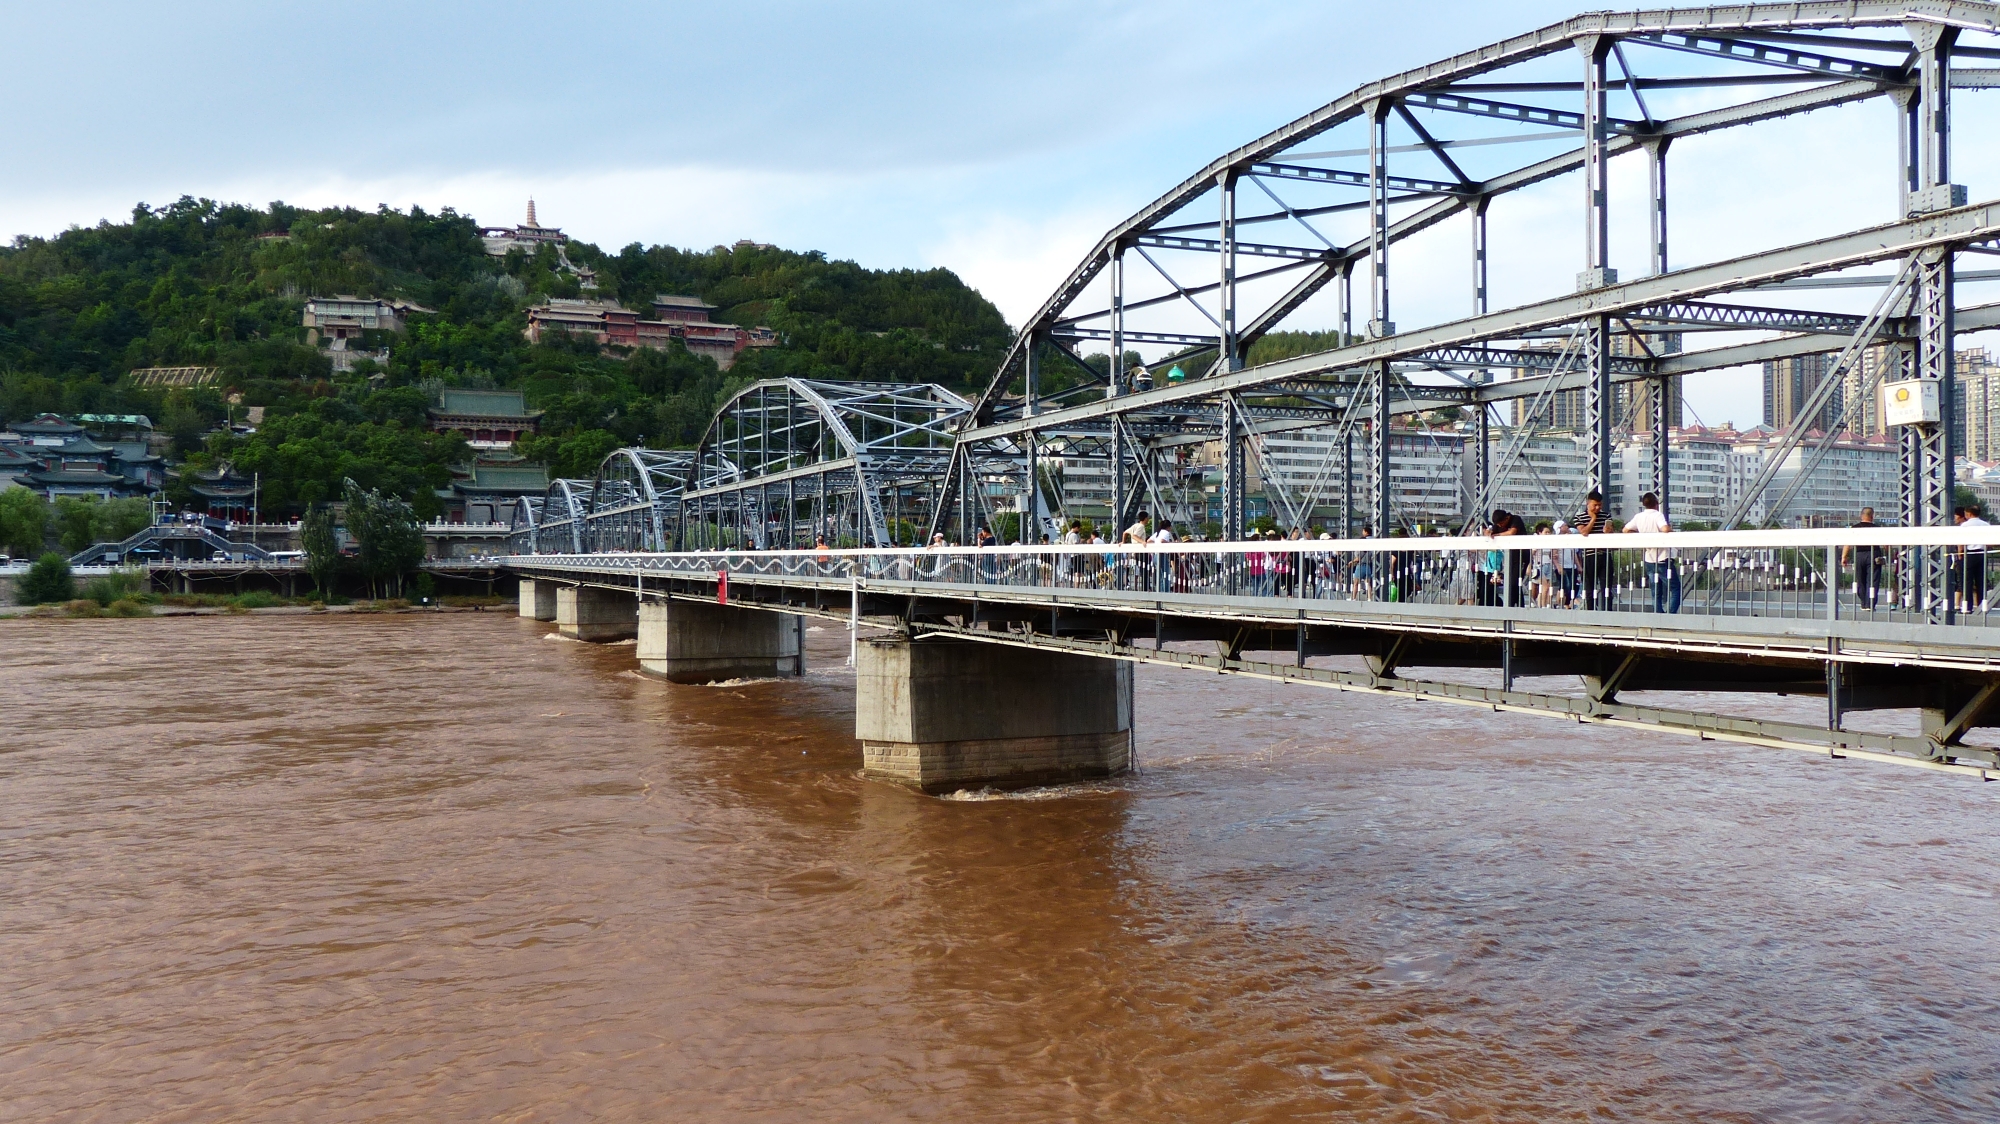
x: 791, y: 462
x: 631, y: 504
x: 635, y: 499
x: 1279, y: 234
x: 556, y: 522
x: 523, y: 529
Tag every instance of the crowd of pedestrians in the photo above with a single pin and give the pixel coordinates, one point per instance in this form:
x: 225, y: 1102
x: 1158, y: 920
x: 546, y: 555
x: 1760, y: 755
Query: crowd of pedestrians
x: 1565, y: 565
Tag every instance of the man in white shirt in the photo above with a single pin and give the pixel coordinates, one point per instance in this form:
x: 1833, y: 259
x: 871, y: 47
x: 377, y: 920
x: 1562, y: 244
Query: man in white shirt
x: 1661, y: 571
x: 1971, y: 564
x: 1165, y: 562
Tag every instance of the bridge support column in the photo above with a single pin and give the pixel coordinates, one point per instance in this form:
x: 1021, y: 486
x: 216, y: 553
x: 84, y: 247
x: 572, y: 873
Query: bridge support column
x: 538, y: 600
x: 588, y: 613
x: 941, y: 715
x: 696, y: 642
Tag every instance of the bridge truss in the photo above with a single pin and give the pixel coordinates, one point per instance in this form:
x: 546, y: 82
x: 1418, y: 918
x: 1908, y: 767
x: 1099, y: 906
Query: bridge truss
x: 791, y: 462
x: 632, y: 504
x: 1279, y: 232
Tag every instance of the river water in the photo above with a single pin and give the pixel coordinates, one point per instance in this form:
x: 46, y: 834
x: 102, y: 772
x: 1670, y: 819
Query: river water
x: 446, y: 868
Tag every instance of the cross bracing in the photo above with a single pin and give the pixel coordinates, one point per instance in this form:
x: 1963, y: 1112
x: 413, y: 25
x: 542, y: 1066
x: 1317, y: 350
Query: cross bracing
x: 632, y: 503
x: 1323, y: 223
x: 791, y: 462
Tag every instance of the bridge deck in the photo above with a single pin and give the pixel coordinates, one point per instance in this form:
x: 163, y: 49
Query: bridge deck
x: 1774, y: 613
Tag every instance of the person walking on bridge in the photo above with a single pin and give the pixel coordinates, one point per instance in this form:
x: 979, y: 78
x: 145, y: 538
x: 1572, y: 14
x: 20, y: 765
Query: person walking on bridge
x: 1506, y: 524
x: 1662, y: 572
x: 1568, y: 566
x: 1971, y: 564
x: 1864, y: 560
x: 1066, y: 564
x: 1597, y: 591
x: 1163, y: 561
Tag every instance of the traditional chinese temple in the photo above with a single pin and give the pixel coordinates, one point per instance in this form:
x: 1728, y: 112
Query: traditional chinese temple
x: 487, y: 490
x: 527, y: 236
x: 675, y: 317
x: 226, y: 493
x: 58, y: 458
x: 489, y: 419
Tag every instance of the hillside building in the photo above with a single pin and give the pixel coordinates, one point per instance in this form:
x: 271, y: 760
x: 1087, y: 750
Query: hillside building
x: 674, y: 318
x: 489, y: 419
x: 489, y: 489
x: 346, y: 317
x: 59, y: 458
x: 529, y: 236
x: 337, y: 323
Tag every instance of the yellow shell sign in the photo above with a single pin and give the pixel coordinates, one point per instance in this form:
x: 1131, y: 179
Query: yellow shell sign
x: 1910, y: 403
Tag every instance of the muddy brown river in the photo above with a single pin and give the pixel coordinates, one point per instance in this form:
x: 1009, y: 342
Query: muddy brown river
x: 446, y: 868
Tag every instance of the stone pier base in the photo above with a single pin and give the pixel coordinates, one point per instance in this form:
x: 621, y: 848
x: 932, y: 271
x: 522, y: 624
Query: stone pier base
x: 698, y: 642
x: 587, y: 613
x: 538, y: 600
x: 941, y: 715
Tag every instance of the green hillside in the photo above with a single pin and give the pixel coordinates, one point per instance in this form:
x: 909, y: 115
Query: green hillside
x: 200, y: 283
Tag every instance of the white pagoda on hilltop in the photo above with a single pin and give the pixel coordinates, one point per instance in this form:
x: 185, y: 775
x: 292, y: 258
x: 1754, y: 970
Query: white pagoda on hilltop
x: 527, y: 236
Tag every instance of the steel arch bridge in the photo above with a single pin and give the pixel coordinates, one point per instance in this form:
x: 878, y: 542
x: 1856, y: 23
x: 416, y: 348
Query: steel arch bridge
x: 632, y: 504
x: 555, y: 522
x: 635, y: 500
x: 1277, y: 234
x: 790, y: 462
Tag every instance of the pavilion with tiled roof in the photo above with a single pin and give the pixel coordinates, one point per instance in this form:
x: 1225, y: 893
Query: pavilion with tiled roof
x: 487, y: 492
x: 489, y: 419
x: 226, y: 493
x: 95, y: 482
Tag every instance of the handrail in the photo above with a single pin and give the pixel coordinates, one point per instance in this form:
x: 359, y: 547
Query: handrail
x: 1885, y: 574
x: 1603, y: 540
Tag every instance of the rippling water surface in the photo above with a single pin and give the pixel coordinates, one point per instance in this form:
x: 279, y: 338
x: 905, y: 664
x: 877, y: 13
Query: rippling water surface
x: 446, y: 868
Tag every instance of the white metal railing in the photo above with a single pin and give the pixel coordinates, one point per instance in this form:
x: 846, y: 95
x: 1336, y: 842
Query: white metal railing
x: 1876, y: 574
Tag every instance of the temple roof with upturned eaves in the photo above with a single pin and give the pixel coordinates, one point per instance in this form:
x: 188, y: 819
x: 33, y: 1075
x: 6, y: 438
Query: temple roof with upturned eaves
x: 498, y: 404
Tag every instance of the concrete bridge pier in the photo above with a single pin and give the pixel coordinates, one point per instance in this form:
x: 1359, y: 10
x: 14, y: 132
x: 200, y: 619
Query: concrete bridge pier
x: 538, y: 599
x: 698, y: 642
x: 941, y: 715
x: 588, y: 613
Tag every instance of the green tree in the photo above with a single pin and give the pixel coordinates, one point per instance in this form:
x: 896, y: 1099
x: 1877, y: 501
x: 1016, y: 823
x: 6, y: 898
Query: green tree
x: 24, y: 522
x: 385, y: 529
x: 576, y: 456
x: 49, y: 579
x: 322, y: 546
x: 74, y: 515
x: 119, y: 519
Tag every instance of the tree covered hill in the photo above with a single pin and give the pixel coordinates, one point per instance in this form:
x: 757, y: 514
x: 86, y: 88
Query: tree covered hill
x: 201, y: 283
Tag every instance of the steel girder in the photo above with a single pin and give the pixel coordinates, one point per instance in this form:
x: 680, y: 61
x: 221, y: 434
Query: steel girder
x: 1889, y: 242
x: 522, y: 529
x: 860, y: 456
x: 1669, y: 29
x: 1622, y: 333
x: 635, y: 499
x: 561, y: 519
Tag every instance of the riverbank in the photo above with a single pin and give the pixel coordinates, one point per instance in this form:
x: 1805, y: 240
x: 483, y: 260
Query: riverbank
x: 210, y: 606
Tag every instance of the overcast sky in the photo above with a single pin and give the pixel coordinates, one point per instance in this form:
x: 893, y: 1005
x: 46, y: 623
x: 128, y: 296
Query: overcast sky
x: 997, y: 139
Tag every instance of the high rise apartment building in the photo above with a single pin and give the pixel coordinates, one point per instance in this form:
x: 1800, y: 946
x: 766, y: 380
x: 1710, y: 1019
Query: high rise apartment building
x: 1631, y: 402
x: 1978, y: 400
x: 1789, y: 384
